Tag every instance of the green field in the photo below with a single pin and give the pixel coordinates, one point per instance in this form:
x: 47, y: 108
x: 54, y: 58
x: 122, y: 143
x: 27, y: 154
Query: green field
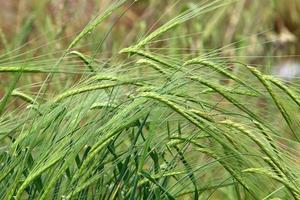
x: 148, y: 99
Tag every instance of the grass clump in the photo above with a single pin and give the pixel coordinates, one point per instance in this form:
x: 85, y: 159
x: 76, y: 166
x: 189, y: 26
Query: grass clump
x: 148, y: 124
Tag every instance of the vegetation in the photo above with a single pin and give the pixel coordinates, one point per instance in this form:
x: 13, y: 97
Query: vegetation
x: 177, y: 110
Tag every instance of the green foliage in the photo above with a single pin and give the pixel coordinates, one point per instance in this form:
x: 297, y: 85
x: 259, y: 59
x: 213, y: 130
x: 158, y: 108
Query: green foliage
x: 148, y: 124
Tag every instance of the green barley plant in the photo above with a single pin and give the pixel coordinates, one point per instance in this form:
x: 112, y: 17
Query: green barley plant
x: 148, y: 122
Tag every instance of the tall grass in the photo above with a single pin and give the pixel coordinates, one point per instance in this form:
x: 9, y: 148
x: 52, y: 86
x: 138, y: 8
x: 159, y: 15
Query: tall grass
x: 149, y: 125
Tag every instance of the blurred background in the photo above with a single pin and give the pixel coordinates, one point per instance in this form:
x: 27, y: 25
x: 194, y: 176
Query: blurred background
x: 265, y: 28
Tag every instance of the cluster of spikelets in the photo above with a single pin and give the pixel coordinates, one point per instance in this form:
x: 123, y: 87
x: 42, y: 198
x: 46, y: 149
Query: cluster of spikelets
x: 157, y: 127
